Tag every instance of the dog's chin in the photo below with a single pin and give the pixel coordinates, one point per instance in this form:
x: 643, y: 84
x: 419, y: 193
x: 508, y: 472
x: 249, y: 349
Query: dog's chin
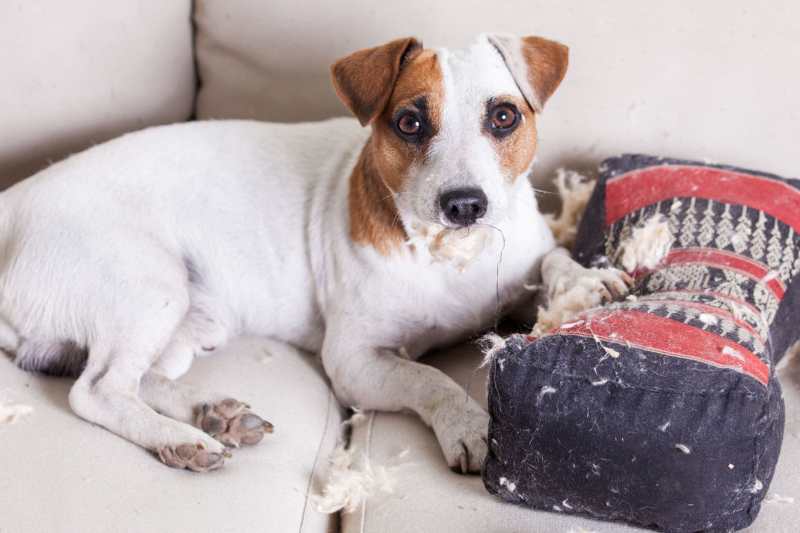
x: 458, y: 247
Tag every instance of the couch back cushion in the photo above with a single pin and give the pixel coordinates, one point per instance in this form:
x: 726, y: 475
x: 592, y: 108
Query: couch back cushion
x: 77, y: 73
x: 692, y: 80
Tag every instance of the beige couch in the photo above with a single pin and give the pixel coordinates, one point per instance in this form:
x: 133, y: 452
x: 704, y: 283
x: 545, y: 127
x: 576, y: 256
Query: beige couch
x: 716, y: 80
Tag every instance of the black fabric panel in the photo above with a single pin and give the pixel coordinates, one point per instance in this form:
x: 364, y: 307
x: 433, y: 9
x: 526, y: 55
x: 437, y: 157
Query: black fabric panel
x: 589, y: 240
x: 785, y: 329
x: 657, y: 457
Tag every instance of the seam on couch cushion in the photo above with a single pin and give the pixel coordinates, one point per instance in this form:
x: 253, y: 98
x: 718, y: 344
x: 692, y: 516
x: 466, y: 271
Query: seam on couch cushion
x: 316, y: 461
x: 368, y: 454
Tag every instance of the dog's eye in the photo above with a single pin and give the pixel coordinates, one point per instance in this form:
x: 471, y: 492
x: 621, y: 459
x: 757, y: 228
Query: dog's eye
x: 503, y: 118
x: 409, y: 123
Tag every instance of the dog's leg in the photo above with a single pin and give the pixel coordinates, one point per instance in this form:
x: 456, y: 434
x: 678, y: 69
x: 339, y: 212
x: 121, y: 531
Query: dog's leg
x: 227, y: 420
x: 107, y: 391
x: 561, y: 273
x: 371, y: 378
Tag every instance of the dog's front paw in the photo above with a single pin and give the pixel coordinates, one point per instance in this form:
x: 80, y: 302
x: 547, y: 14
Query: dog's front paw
x: 461, y: 426
x: 599, y: 285
x: 231, y: 422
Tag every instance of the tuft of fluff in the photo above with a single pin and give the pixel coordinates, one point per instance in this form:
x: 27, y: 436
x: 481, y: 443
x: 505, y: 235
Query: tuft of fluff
x: 575, y: 191
x: 352, y: 480
x: 491, y: 344
x: 11, y: 413
x: 789, y: 357
x: 777, y: 498
x: 457, y: 247
x: 648, y: 245
x: 565, y: 306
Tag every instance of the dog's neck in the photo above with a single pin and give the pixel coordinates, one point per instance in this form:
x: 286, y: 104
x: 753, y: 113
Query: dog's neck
x: 374, y: 220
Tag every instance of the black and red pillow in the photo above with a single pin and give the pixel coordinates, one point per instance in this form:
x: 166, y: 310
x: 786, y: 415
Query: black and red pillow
x: 662, y: 409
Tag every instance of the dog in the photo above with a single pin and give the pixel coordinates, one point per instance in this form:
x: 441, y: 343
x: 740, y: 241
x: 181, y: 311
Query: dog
x: 369, y: 241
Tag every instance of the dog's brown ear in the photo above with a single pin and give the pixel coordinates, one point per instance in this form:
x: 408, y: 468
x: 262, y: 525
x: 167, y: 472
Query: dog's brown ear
x: 364, y: 80
x: 538, y: 65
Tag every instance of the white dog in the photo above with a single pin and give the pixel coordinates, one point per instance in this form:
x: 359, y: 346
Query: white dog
x: 123, y: 263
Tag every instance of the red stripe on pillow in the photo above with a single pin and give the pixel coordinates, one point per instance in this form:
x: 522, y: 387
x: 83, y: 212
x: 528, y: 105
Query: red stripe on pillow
x: 668, y: 337
x: 639, y: 188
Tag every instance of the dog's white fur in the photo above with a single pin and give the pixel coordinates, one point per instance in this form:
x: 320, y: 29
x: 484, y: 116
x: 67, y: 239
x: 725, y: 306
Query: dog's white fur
x: 160, y: 245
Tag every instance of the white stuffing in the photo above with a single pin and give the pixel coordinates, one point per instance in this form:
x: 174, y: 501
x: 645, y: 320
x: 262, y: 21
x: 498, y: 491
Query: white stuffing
x: 544, y: 391
x: 491, y: 344
x: 731, y: 466
x: 648, y: 245
x: 575, y: 191
x: 683, y: 448
x: 663, y: 427
x: 358, y: 417
x: 565, y: 306
x: 610, y: 351
x: 727, y: 350
x: 510, y: 485
x: 581, y: 530
x: 12, y: 413
x: 708, y: 319
x: 458, y: 247
x: 352, y: 480
x: 757, y: 487
x: 599, y: 382
x: 777, y: 498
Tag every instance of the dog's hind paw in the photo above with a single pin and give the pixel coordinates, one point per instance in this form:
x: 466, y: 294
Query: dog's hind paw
x: 231, y: 422
x: 192, y: 457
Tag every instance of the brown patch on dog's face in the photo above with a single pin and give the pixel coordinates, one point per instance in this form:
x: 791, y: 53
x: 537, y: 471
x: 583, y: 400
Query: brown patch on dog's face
x: 392, y: 151
x: 515, y: 145
x: 372, y: 213
x: 416, y: 100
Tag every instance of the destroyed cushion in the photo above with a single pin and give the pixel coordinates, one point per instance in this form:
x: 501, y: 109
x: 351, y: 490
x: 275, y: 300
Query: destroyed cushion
x: 662, y: 409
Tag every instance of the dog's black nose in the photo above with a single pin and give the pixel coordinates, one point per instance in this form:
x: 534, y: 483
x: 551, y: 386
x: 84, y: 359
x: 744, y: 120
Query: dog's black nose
x: 463, y: 206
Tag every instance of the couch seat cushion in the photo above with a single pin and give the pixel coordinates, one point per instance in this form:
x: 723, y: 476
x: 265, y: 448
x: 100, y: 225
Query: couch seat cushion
x: 63, y: 474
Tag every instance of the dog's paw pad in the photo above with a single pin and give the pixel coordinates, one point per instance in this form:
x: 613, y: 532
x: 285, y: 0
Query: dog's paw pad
x: 231, y: 422
x: 192, y: 457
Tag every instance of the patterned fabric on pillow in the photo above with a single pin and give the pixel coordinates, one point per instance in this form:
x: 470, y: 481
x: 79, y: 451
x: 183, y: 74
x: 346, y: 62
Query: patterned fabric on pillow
x: 661, y: 409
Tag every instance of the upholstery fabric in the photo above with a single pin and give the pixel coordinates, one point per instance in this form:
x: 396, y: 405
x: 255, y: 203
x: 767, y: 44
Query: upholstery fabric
x: 62, y: 474
x: 695, y: 80
x: 81, y: 72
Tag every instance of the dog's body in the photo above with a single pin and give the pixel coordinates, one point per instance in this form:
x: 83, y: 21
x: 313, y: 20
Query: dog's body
x: 159, y: 246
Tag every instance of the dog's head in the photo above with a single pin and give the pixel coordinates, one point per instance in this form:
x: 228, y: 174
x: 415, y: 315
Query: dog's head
x: 453, y: 131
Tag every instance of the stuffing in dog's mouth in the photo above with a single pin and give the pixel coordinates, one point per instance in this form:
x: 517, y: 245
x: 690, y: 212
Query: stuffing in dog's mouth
x: 457, y: 246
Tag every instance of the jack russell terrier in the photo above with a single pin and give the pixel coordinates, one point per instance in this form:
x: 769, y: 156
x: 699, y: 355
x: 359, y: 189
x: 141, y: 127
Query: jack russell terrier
x: 367, y: 245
